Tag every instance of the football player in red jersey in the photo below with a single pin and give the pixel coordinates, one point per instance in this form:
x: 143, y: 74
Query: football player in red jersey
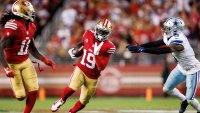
x: 95, y: 50
x: 16, y: 43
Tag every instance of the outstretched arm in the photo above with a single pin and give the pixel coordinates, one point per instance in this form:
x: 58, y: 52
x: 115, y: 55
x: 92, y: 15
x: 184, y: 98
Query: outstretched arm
x: 34, y: 51
x: 157, y: 43
x: 160, y: 50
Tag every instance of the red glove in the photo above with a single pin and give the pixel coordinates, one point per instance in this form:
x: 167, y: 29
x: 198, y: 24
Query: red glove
x: 9, y: 72
x: 48, y: 62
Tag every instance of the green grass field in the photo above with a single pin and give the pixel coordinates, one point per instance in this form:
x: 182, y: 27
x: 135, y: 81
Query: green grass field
x: 96, y: 103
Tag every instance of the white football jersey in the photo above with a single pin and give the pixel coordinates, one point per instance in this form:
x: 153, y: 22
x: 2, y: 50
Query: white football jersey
x: 186, y: 59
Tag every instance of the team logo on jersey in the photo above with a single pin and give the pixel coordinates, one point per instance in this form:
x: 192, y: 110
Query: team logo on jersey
x: 86, y: 40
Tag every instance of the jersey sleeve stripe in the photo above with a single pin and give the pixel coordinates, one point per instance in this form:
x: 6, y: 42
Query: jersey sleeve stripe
x: 10, y: 27
x: 11, y: 23
x: 177, y: 41
x: 111, y: 49
x: 111, y: 52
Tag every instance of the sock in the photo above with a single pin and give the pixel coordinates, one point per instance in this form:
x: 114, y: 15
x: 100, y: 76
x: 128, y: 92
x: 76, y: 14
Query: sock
x: 195, y: 104
x: 77, y: 107
x: 175, y: 92
x: 67, y: 92
x: 30, y: 101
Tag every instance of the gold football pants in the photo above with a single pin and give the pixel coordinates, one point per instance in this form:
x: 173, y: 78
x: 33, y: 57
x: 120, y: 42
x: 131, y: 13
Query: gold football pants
x: 25, y: 78
x: 88, y: 86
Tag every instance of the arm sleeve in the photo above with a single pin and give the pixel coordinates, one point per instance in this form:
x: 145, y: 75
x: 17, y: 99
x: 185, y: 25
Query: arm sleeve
x: 153, y: 44
x: 156, y: 50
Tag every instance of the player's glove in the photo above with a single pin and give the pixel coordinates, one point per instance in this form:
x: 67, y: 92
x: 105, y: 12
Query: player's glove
x: 48, y: 62
x: 9, y: 72
x: 135, y: 49
x: 71, y: 53
x: 97, y: 48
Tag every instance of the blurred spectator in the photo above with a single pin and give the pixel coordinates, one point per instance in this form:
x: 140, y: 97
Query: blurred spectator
x: 139, y: 20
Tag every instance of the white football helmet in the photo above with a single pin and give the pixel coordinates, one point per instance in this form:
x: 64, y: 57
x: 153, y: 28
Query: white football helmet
x: 103, y: 29
x: 172, y: 25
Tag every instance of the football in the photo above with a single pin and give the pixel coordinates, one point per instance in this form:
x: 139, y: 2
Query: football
x: 78, y: 51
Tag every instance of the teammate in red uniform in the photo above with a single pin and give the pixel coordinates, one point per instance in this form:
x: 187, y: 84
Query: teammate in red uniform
x: 17, y: 42
x: 95, y: 50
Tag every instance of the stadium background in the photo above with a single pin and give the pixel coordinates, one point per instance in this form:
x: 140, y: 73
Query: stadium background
x: 61, y: 24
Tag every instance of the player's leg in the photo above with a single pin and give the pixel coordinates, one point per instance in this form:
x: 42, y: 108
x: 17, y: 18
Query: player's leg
x: 192, y: 81
x: 29, y: 76
x: 176, y: 77
x: 76, y: 81
x: 17, y: 82
x: 87, y: 91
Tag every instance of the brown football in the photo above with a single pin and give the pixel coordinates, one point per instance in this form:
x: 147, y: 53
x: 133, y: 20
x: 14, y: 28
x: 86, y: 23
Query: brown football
x: 78, y: 51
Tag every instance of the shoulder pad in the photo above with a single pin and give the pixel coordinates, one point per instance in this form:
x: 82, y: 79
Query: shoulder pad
x: 11, y: 24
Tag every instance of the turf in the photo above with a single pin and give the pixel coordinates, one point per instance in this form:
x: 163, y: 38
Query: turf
x: 97, y: 103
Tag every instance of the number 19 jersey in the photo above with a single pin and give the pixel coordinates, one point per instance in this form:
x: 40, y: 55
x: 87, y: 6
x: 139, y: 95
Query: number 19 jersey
x: 20, y: 38
x: 87, y: 62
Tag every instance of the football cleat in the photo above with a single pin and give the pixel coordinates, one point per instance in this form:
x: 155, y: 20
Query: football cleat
x: 184, y: 105
x: 57, y: 104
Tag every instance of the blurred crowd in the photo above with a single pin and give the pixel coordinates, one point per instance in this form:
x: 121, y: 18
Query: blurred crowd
x: 139, y: 20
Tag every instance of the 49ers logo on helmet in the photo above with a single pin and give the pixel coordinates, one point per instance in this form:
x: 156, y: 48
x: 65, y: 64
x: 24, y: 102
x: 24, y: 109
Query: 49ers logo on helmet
x: 26, y: 3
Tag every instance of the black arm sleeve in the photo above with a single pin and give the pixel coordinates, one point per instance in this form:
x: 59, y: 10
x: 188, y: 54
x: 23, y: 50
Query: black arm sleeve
x: 156, y: 50
x: 4, y: 42
x: 33, y: 50
x: 153, y: 44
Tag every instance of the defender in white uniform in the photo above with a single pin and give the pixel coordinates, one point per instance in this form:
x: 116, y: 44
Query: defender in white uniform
x: 188, y: 67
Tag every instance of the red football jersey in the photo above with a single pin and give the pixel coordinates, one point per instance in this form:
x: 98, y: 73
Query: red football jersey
x: 87, y: 62
x: 20, y: 38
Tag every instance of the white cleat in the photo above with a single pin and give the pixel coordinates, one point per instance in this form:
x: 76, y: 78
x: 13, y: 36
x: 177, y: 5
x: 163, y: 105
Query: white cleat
x: 57, y: 104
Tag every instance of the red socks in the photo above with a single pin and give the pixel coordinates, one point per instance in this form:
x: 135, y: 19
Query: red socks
x: 68, y: 92
x: 30, y: 101
x: 78, y: 106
